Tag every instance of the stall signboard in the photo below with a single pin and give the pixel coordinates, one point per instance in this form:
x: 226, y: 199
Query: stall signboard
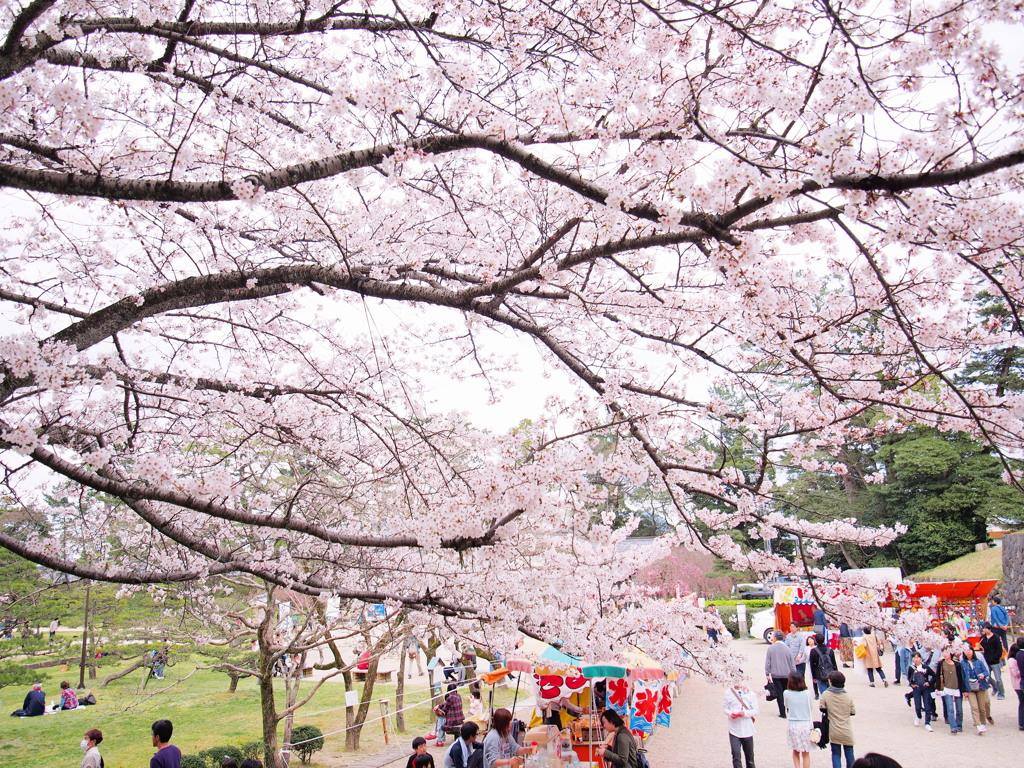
x: 642, y: 713
x: 618, y: 695
x: 664, y: 715
x: 555, y: 686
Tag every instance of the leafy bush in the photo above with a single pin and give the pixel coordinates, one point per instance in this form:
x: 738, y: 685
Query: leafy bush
x: 752, y: 605
x: 727, y: 610
x: 215, y: 755
x: 253, y: 749
x: 312, y: 738
x: 192, y: 761
x: 15, y: 674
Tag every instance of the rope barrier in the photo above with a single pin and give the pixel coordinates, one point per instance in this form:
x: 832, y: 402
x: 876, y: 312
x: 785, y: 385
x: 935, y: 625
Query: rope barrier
x: 360, y: 725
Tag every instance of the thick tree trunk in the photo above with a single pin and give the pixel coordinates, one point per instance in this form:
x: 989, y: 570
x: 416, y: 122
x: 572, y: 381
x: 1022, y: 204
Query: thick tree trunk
x: 268, y: 716
x: 268, y: 707
x: 352, y: 735
x: 234, y: 683
x: 403, y: 656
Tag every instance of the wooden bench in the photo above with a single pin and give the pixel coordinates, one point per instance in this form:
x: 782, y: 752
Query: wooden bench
x: 383, y: 675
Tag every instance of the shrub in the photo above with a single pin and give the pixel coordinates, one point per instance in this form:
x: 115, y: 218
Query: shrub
x: 215, y: 755
x: 253, y: 749
x: 16, y: 674
x: 192, y: 761
x: 727, y: 610
x: 312, y: 739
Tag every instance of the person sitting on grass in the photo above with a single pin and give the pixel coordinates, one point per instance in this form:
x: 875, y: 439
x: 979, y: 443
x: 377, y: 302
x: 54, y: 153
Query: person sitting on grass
x: 68, y: 697
x: 35, y: 701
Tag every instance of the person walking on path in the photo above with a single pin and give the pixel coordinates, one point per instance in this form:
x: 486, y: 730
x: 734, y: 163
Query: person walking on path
x: 951, y: 685
x: 797, y: 645
x: 999, y: 619
x: 1014, y: 667
x: 740, y: 705
x: 412, y: 650
x: 823, y: 662
x: 992, y: 650
x: 845, y: 645
x: 90, y: 745
x: 778, y: 665
x: 798, y: 713
x: 901, y: 660
x: 838, y: 705
x: 820, y: 624
x: 921, y: 679
x: 873, y: 646
x: 976, y: 677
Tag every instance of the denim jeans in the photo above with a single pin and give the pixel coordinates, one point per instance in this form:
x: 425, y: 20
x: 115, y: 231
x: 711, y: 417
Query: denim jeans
x: 1020, y: 708
x: 439, y: 729
x: 902, y: 663
x: 837, y: 755
x: 954, y: 707
x: 922, y: 700
x: 997, y: 680
x: 871, y: 674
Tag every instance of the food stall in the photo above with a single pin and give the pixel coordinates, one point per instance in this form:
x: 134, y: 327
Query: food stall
x: 638, y: 689
x: 969, y: 597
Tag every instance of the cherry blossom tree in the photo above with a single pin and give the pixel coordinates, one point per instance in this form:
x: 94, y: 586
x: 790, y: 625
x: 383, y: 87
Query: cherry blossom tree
x: 241, y: 236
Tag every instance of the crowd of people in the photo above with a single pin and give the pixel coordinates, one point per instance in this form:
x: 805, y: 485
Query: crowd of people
x: 949, y: 670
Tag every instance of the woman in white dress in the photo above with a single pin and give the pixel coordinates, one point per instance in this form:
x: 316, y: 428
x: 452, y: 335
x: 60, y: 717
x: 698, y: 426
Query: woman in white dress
x: 798, y: 714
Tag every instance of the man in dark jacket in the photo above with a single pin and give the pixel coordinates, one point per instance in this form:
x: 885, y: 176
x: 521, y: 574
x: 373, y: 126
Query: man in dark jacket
x: 992, y: 647
x: 35, y: 701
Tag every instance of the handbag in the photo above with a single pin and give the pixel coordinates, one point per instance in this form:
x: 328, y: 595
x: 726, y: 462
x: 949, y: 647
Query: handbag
x: 769, y: 692
x: 819, y: 730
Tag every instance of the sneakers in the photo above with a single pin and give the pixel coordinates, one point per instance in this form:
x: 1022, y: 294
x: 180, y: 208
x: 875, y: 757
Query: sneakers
x: 430, y: 736
x: 885, y: 683
x: 438, y: 743
x: 929, y: 728
x: 871, y: 685
x: 917, y: 721
x: 991, y: 721
x: 981, y: 730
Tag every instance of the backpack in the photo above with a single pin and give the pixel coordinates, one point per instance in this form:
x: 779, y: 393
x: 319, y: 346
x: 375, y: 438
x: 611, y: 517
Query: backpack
x: 825, y: 664
x: 641, y: 759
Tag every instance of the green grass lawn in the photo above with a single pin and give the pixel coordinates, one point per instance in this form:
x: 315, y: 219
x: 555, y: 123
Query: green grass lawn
x: 987, y: 564
x: 203, y: 713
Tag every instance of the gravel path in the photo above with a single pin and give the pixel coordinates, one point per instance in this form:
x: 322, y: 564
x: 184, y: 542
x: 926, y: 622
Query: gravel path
x: 698, y: 736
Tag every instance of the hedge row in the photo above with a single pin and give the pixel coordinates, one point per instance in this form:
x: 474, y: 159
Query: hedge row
x: 213, y: 757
